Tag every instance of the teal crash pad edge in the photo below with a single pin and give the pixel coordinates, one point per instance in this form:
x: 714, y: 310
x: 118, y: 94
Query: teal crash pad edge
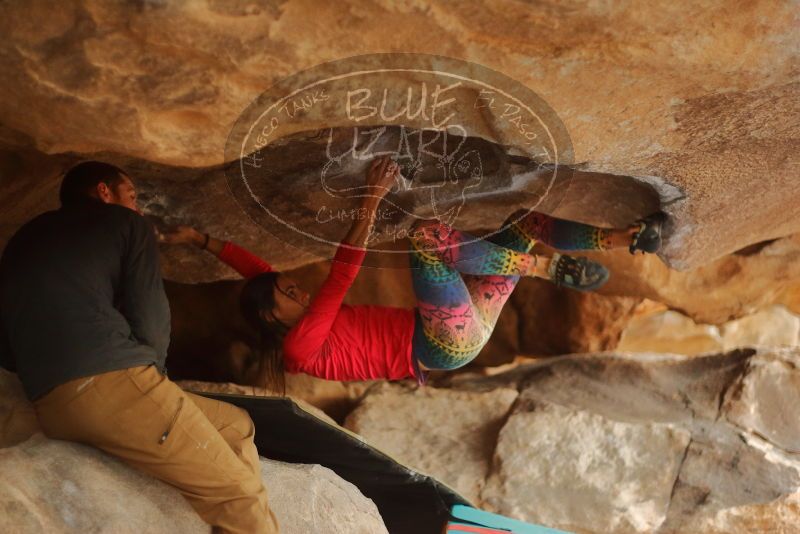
x: 494, y: 522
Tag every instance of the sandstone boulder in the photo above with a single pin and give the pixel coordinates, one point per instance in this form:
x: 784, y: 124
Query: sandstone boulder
x: 671, y: 331
x: 446, y: 434
x: 55, y: 486
x: 648, y: 95
x: 313, y: 499
x: 638, y: 443
x: 718, y: 291
x: 764, y: 400
x: 734, y: 483
x: 578, y: 470
x: 774, y: 326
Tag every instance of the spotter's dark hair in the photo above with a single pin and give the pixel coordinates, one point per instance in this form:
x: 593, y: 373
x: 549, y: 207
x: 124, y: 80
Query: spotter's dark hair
x: 85, y: 176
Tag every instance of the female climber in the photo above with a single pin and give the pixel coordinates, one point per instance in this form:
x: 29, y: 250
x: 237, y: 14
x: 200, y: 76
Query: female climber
x: 461, y: 283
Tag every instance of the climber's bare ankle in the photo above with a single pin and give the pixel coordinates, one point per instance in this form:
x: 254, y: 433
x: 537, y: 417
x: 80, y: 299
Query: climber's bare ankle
x: 542, y: 267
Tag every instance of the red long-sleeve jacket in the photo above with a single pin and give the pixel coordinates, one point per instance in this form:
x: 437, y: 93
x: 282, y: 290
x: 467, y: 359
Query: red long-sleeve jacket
x: 336, y: 341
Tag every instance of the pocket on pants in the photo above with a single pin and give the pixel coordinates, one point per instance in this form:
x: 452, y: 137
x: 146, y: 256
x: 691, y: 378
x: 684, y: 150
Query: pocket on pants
x: 165, y: 436
x: 145, y: 407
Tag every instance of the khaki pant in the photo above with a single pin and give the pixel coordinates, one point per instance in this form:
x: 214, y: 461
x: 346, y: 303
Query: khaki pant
x: 202, y: 447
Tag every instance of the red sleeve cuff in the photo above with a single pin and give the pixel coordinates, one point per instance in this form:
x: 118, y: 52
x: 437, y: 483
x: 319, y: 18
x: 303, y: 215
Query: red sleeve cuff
x: 227, y: 252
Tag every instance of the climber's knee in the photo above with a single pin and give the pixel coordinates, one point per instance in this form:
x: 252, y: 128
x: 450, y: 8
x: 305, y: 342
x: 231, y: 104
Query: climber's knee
x: 429, y: 230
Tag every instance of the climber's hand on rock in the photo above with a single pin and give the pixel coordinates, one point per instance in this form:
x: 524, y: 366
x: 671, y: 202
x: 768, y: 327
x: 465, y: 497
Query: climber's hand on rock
x: 182, y: 235
x: 381, y: 176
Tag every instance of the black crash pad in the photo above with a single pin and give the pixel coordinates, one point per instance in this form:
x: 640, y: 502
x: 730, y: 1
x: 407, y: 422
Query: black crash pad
x: 409, y: 502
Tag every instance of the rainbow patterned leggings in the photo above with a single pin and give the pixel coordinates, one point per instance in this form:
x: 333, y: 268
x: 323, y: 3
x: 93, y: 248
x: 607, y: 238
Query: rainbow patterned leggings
x: 462, y: 282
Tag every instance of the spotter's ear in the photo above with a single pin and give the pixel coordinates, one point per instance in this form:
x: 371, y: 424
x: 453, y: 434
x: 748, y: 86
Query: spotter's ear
x: 103, y: 192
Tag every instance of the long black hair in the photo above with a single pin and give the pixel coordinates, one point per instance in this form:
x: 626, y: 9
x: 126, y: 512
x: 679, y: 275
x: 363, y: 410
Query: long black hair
x: 258, y: 296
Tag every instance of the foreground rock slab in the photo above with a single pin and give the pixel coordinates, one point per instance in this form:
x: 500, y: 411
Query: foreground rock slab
x: 765, y: 401
x: 707, y: 477
x: 575, y: 468
x: 311, y: 499
x: 447, y: 434
x: 56, y: 486
x: 608, y: 443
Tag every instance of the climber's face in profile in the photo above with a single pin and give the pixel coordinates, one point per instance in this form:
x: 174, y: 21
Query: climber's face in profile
x: 121, y: 192
x: 290, y: 302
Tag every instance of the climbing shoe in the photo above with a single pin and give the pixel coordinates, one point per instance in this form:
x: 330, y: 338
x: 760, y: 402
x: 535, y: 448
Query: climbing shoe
x: 577, y: 273
x: 648, y: 238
